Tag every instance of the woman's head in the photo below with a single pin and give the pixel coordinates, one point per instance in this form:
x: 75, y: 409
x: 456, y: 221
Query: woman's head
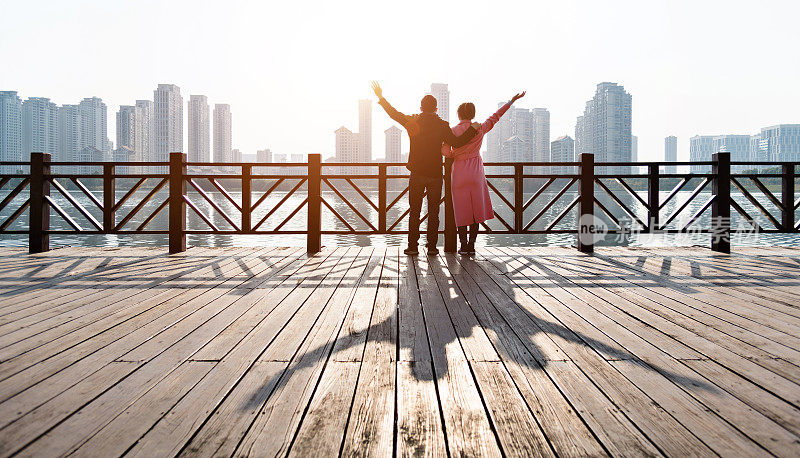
x: 466, y: 111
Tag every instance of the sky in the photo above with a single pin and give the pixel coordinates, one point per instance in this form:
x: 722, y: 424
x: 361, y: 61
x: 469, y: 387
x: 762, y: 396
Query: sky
x: 293, y: 72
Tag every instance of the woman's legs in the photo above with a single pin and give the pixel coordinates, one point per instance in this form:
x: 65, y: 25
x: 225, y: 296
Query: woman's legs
x: 473, y: 234
x: 462, y: 236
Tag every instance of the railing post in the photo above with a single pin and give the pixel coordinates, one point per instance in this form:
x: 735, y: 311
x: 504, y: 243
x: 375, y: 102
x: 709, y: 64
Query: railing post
x: 247, y: 206
x: 382, y: 198
x: 314, y: 232
x: 721, y: 207
x: 109, y: 198
x: 787, y: 196
x: 450, y: 230
x: 38, y: 238
x: 518, y: 197
x: 177, y: 205
x: 652, y: 198
x: 586, y: 226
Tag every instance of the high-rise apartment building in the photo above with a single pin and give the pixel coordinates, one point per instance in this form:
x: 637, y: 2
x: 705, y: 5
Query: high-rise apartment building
x: 222, y: 133
x: 442, y: 95
x: 69, y: 134
x: 347, y: 145
x: 530, y: 129
x: 702, y: 147
x: 365, y: 130
x: 778, y: 143
x: 264, y: 155
x: 605, y: 127
x: 10, y: 128
x: 94, y: 125
x: 167, y: 122
x: 39, y: 127
x: 145, y: 136
x: 393, y: 144
x: 126, y: 127
x: 562, y: 149
x: 671, y: 153
x: 236, y: 155
x: 199, y: 129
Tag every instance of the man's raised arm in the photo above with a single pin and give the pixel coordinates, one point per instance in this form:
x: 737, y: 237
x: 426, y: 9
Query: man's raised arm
x: 390, y: 110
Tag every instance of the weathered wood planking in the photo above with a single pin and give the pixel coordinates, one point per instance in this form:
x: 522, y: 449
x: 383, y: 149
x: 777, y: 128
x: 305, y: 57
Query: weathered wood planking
x: 367, y: 352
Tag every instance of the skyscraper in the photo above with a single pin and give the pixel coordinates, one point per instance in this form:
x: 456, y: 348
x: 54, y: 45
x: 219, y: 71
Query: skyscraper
x: 442, y: 95
x: 69, y: 134
x: 144, y: 131
x: 541, y: 135
x: 39, y: 127
x: 393, y: 145
x: 365, y: 130
x: 10, y: 128
x: 222, y: 133
x: 606, y: 127
x: 94, y: 125
x: 532, y: 131
x: 671, y: 153
x: 126, y: 127
x: 167, y: 122
x: 199, y: 129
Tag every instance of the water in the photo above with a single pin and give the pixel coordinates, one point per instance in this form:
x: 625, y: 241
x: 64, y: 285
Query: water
x: 331, y: 222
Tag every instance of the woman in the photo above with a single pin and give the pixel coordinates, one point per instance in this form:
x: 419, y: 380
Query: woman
x: 471, y: 202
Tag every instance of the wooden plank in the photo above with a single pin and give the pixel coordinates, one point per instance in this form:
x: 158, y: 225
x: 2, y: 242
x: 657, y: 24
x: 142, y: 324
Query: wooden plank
x: 272, y: 431
x: 666, y: 313
x: 419, y: 421
x: 520, y: 343
x: 97, y: 334
x: 119, y: 433
x: 322, y: 429
x: 620, y: 394
x: 618, y: 435
x: 504, y: 404
x: 187, y: 337
x: 232, y: 418
x: 370, y: 428
x: 715, y: 433
x: 467, y: 426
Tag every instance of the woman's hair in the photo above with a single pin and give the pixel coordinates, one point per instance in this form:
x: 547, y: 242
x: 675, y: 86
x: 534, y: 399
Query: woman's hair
x: 466, y: 111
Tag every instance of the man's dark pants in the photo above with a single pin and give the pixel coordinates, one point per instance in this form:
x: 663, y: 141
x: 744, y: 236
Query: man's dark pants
x: 417, y: 185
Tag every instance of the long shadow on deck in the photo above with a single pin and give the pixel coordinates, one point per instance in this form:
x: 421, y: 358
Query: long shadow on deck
x: 437, y: 360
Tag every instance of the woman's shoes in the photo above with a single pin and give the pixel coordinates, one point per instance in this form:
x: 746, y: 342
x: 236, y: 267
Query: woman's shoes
x: 467, y: 249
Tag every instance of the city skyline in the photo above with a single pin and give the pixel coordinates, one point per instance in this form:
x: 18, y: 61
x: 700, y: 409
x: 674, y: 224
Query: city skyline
x: 678, y: 84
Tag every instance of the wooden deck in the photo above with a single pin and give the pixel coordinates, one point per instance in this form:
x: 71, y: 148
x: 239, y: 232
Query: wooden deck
x: 362, y: 351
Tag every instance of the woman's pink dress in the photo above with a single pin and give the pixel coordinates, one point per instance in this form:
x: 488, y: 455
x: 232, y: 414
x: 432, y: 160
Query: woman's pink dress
x: 471, y: 200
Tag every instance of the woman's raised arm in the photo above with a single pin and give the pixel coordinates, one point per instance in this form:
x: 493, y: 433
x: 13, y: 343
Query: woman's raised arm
x: 492, y: 120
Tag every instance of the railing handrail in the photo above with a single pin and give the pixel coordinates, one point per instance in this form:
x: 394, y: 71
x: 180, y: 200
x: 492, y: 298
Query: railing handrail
x: 397, y: 164
x: 317, y: 174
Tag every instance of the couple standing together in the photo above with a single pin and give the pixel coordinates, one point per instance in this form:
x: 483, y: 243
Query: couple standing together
x: 431, y: 138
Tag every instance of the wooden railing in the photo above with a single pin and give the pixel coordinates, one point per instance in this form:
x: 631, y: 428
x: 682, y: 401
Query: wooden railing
x: 582, y: 188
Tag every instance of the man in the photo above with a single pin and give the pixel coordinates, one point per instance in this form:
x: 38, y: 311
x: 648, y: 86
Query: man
x: 427, y: 132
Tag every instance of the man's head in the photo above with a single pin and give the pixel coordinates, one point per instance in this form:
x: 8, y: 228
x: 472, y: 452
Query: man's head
x: 466, y: 111
x: 428, y: 104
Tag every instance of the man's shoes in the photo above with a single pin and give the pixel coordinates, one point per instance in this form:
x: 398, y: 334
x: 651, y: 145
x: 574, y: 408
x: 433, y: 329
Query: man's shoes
x: 433, y: 251
x: 411, y: 251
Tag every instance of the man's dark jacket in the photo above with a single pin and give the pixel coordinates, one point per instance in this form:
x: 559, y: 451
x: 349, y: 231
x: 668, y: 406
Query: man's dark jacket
x: 427, y: 132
